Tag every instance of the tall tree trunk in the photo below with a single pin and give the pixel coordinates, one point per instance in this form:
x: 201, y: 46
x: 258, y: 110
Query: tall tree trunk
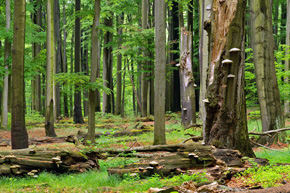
x: 7, y: 53
x: 226, y: 123
x: 287, y: 62
x: 108, y: 66
x: 186, y: 79
x: 78, y: 117
x: 267, y: 86
x: 173, y: 87
x: 64, y: 69
x: 71, y: 71
x: 119, y: 67
x: 93, y: 74
x: 124, y: 86
x: 205, y: 16
x: 50, y: 71
x: 144, y: 79
x: 160, y: 70
x: 59, y: 59
x: 38, y: 49
x: 85, y: 70
x: 19, y: 136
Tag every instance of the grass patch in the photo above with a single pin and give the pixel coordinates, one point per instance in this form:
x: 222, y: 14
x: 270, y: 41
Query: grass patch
x: 275, y: 156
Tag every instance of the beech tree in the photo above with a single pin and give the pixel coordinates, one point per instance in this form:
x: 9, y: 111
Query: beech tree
x: 19, y: 136
x: 160, y: 70
x: 50, y: 70
x: 78, y: 117
x: 7, y: 53
x: 94, y: 68
x: 263, y: 49
x: 226, y: 123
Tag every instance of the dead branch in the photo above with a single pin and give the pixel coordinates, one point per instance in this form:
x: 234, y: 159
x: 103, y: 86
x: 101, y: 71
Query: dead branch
x: 269, y: 132
x: 258, y: 144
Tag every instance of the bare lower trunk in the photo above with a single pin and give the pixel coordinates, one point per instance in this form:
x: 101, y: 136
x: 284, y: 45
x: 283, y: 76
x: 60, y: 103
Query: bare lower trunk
x: 287, y: 62
x: 19, y: 134
x: 160, y: 70
x: 7, y: 53
x: 93, y: 74
x: 50, y: 71
x: 78, y: 117
x: 186, y: 79
x: 267, y: 86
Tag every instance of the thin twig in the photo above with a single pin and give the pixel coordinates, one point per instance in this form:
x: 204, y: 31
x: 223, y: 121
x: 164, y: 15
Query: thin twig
x: 122, y: 152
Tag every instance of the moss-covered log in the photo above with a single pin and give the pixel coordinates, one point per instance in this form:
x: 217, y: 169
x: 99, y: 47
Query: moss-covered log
x: 32, y: 161
x: 171, y: 159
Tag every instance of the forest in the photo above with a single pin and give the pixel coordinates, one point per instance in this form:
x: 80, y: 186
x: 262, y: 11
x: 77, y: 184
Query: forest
x: 144, y: 96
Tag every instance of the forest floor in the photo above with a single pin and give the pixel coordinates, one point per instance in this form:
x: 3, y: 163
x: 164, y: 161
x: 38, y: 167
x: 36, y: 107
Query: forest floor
x: 175, y: 134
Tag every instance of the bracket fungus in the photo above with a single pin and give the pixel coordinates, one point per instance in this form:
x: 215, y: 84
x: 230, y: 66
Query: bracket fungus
x: 235, y: 50
x: 231, y: 76
x: 227, y: 61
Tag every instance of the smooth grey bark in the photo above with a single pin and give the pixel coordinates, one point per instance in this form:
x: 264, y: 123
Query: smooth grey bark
x: 7, y: 53
x: 93, y: 73
x: 19, y: 136
x: 263, y: 45
x: 160, y: 71
x: 187, y: 90
x: 50, y: 71
x: 226, y: 120
x: 78, y: 117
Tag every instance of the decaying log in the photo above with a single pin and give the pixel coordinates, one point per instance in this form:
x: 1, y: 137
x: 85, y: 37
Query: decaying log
x: 31, y: 161
x: 176, y: 159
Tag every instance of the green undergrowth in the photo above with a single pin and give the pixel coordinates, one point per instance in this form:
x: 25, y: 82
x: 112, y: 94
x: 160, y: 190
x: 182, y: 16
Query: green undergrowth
x: 93, y: 181
x: 266, y: 176
x: 281, y: 156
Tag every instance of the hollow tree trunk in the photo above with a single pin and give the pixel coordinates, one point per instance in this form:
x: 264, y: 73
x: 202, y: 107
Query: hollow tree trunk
x: 226, y: 124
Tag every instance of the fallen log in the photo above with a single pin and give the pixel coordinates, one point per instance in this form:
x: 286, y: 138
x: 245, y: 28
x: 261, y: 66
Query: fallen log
x: 31, y: 161
x: 175, y: 159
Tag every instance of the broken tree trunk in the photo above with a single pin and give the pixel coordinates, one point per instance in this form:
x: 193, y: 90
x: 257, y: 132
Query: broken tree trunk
x: 187, y: 90
x: 31, y: 161
x: 226, y: 123
x: 171, y: 159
